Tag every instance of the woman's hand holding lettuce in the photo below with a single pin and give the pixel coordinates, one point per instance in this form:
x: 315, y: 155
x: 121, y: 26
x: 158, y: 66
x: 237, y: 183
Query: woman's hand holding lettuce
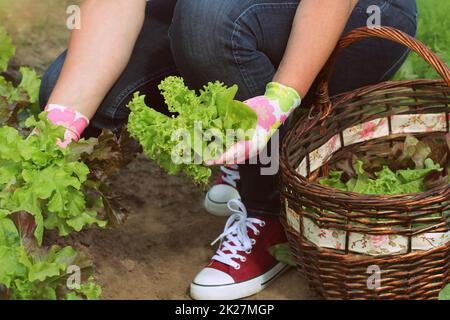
x: 202, y: 126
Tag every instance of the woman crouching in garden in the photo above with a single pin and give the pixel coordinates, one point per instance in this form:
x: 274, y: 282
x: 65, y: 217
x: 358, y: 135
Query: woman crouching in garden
x: 273, y: 50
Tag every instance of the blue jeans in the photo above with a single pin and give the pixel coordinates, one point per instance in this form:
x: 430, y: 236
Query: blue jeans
x: 238, y: 42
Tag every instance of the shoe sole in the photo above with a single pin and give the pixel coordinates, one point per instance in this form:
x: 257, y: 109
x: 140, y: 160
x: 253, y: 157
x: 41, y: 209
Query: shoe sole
x: 239, y: 290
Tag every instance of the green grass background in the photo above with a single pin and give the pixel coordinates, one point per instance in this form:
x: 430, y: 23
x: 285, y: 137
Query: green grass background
x: 434, y: 31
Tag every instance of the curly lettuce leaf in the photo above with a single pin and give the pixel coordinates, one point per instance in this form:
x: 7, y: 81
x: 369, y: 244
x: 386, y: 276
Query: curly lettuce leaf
x: 154, y: 132
x: 412, y: 166
x: 16, y: 103
x: 180, y: 143
x: 30, y: 84
x: 282, y: 253
x: 7, y: 49
x: 29, y: 276
x: 19, y: 103
x: 445, y: 293
x: 38, y: 177
x: 40, y: 273
x: 386, y: 182
x: 88, y: 290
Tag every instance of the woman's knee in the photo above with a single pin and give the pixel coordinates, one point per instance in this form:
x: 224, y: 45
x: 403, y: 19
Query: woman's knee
x: 201, y: 30
x: 50, y: 78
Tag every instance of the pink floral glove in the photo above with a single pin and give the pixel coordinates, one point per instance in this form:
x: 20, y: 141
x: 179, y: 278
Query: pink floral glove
x: 74, y: 122
x: 272, y: 109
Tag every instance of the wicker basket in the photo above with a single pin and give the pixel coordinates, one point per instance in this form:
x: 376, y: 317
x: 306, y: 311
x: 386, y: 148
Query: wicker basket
x: 355, y: 246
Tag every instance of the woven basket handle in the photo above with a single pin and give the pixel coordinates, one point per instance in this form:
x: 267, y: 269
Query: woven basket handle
x: 322, y: 96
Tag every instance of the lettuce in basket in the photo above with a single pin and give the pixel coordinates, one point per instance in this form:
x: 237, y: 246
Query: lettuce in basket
x: 413, y: 166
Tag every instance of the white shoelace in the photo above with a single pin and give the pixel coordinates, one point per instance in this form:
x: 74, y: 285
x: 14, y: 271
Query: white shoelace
x: 235, y: 238
x: 230, y: 174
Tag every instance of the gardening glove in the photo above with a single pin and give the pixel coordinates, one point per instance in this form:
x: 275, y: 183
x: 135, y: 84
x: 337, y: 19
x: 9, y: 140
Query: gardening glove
x: 74, y: 122
x: 272, y: 110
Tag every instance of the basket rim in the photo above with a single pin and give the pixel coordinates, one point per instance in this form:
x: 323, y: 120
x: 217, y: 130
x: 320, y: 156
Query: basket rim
x: 342, y: 97
x: 308, y: 186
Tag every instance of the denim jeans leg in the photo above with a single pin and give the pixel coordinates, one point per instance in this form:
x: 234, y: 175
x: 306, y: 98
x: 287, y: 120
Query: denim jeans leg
x: 243, y: 41
x: 150, y: 62
x: 236, y: 42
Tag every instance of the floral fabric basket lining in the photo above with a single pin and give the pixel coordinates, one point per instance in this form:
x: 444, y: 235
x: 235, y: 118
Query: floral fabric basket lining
x: 335, y: 235
x: 369, y: 130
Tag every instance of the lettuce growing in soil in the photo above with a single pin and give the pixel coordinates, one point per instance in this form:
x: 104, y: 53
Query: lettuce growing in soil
x: 184, y: 136
x: 7, y: 49
x: 32, y: 272
x: 38, y: 177
x: 43, y: 187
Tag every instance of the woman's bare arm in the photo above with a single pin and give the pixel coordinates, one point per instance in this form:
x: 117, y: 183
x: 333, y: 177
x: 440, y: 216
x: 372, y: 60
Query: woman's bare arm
x: 315, y: 32
x: 98, y: 53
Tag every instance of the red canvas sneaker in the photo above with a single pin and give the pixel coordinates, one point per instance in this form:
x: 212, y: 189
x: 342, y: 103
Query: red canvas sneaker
x: 217, y: 198
x: 242, y: 266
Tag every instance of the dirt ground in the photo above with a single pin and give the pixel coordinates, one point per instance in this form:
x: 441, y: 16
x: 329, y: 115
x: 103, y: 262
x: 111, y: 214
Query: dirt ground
x: 165, y: 241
